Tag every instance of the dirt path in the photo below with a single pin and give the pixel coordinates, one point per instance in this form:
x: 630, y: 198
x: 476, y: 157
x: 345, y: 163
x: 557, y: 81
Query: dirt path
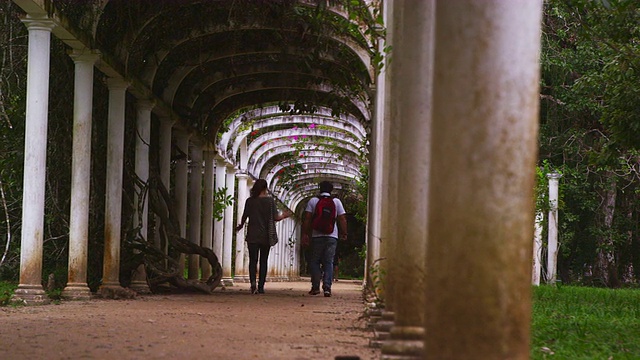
x: 284, y: 323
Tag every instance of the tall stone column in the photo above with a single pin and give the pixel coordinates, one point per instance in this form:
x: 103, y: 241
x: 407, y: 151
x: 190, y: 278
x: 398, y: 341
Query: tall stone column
x: 228, y: 228
x: 30, y: 290
x: 412, y: 68
x: 195, y: 207
x: 386, y: 160
x: 181, y: 183
x: 143, y: 139
x: 218, y: 225
x: 166, y: 125
x: 207, y: 211
x: 241, y: 272
x: 113, y: 208
x: 77, y: 288
x: 537, y: 250
x: 481, y: 197
x: 552, y: 233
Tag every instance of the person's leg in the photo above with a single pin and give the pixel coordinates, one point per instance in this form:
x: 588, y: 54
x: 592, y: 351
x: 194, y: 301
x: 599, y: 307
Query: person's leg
x: 327, y: 262
x: 317, y: 252
x: 253, y: 261
x: 264, y: 258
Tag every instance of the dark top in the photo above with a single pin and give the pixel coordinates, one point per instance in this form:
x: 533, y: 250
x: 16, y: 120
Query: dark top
x: 259, y: 210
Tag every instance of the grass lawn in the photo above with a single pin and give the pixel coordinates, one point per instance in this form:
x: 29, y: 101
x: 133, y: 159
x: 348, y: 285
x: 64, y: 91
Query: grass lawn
x: 585, y: 323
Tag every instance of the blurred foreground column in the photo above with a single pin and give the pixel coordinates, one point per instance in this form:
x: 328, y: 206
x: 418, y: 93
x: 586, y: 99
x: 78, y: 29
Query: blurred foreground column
x: 481, y: 199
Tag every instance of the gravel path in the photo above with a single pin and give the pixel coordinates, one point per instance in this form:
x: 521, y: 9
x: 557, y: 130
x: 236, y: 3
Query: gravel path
x: 284, y: 323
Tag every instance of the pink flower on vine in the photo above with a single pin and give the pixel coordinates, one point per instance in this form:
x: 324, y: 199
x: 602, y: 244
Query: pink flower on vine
x: 312, y: 126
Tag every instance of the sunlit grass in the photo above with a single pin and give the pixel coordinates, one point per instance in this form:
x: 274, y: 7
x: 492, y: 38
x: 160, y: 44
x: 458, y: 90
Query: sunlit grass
x: 585, y: 323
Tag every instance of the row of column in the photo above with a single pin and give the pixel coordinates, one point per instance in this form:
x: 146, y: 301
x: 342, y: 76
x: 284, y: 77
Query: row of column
x: 218, y: 236
x: 453, y: 171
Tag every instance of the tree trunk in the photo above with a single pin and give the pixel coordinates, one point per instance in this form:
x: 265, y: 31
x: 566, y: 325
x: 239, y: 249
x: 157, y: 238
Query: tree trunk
x: 605, y: 267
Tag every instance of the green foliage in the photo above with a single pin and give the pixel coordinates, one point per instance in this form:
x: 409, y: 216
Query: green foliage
x: 6, y: 292
x: 585, y: 323
x: 220, y: 202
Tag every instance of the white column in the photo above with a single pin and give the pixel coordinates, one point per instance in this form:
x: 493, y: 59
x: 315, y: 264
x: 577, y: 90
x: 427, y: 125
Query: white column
x: 143, y: 139
x: 537, y: 250
x: 207, y: 211
x: 412, y: 68
x: 218, y: 225
x: 228, y: 228
x: 30, y: 289
x: 181, y: 183
x: 241, y: 272
x: 195, y: 207
x: 77, y: 288
x: 165, y: 169
x: 552, y: 231
x: 113, y: 208
x: 481, y: 194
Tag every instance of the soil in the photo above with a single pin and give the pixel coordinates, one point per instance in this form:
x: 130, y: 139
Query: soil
x: 283, y: 323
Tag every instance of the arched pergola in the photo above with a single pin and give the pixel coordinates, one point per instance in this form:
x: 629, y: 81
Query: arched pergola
x: 233, y: 90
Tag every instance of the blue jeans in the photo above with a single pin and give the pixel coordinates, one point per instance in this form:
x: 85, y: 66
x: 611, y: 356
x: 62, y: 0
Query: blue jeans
x: 323, y: 250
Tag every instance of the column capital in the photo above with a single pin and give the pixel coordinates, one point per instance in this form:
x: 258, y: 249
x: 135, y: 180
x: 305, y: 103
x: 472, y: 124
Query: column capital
x: 231, y: 168
x: 117, y: 83
x: 554, y: 175
x: 242, y: 175
x: 42, y: 22
x: 86, y: 56
x: 145, y: 104
x: 167, y: 120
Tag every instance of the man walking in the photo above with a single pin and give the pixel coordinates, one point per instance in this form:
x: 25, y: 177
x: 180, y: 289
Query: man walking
x: 323, y: 217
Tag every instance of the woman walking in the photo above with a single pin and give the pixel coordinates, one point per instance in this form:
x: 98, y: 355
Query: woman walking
x: 260, y: 209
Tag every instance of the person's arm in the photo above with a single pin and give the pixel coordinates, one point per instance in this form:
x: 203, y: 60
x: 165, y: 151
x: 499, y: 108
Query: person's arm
x: 306, y: 228
x: 342, y: 226
x: 243, y: 219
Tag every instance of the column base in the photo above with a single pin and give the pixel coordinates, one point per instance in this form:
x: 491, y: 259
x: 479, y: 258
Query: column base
x: 382, y: 329
x: 140, y: 287
x: 227, y: 281
x: 240, y: 279
x: 30, y: 295
x: 404, y: 343
x: 76, y: 291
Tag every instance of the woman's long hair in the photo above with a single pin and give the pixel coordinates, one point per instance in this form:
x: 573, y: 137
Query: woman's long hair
x: 258, y: 187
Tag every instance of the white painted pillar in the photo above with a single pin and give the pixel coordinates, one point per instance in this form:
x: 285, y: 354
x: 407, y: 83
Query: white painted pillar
x: 166, y: 125
x: 141, y: 219
x: 113, y: 208
x: 552, y: 231
x: 77, y: 288
x: 207, y: 211
x: 195, y: 207
x: 181, y: 182
x: 537, y: 250
x: 218, y: 225
x: 242, y: 272
x: 412, y: 68
x: 228, y: 227
x: 481, y: 197
x: 30, y: 290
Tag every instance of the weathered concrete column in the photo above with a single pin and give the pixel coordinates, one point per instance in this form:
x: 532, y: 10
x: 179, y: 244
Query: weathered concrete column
x: 77, y: 288
x: 181, y: 183
x: 481, y: 201
x: 387, y: 138
x: 228, y: 227
x: 552, y: 231
x: 537, y: 250
x: 218, y: 225
x: 207, y: 210
x: 241, y: 273
x: 30, y: 290
x: 166, y: 125
x: 113, y: 208
x: 195, y: 207
x: 143, y: 139
x: 412, y: 68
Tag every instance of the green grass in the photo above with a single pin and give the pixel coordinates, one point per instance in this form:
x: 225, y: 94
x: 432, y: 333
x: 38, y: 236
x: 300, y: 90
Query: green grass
x: 585, y: 323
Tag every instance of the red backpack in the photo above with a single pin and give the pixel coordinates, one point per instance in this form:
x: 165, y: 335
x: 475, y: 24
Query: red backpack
x: 324, y: 216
